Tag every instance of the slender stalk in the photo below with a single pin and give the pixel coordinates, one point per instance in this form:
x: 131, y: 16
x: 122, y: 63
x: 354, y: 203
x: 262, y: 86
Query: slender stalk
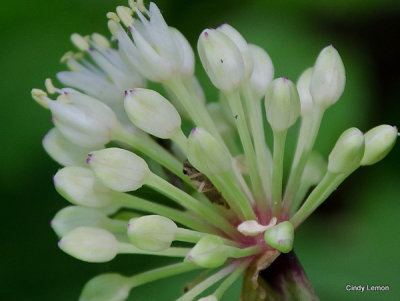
x: 234, y: 196
x: 164, y: 272
x: 115, y: 225
x: 307, y: 136
x: 245, y: 252
x: 202, y: 286
x: 208, y: 212
x: 241, y: 124
x: 149, y: 147
x: 194, y: 236
x: 178, y: 216
x: 263, y: 154
x: 126, y: 248
x: 277, y: 171
x: 180, y: 139
x: 219, y: 292
x: 327, y: 185
x: 300, y: 195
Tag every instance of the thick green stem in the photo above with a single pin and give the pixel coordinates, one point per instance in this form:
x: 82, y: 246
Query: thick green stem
x: 241, y: 124
x: 208, y: 212
x: 152, y: 149
x: 327, y: 185
x: 277, y: 171
x: 178, y: 216
x: 307, y: 136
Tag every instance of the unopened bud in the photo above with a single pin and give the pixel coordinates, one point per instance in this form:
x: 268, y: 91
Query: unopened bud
x: 303, y: 87
x: 152, y: 232
x: 216, y: 160
x: 119, y: 169
x: 280, y: 237
x: 106, y: 287
x: 209, y: 252
x: 328, y: 78
x: 282, y: 104
x: 315, y: 169
x: 379, y: 141
x: 90, y: 244
x: 347, y: 152
x: 80, y: 186
x: 241, y: 44
x: 142, y: 103
x: 263, y: 71
x: 221, y: 59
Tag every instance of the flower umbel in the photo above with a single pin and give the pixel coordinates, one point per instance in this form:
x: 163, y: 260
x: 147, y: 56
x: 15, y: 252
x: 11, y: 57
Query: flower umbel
x: 233, y: 211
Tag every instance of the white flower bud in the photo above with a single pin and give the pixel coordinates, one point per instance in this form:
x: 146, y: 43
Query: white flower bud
x: 90, y: 244
x: 280, y: 237
x: 152, y: 232
x: 80, y: 186
x: 347, y: 152
x: 106, y: 287
x: 206, y: 154
x: 251, y: 228
x: 303, y: 87
x: 209, y: 252
x: 379, y: 141
x: 140, y: 104
x: 221, y: 59
x: 241, y: 44
x: 72, y: 217
x: 282, y: 104
x: 186, y: 53
x: 83, y: 120
x: 263, y: 71
x: 328, y: 78
x: 64, y: 151
x: 119, y: 169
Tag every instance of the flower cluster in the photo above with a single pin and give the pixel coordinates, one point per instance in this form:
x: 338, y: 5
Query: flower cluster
x: 232, y: 208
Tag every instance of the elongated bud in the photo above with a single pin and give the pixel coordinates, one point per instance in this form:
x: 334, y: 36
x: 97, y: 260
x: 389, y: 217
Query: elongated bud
x: 83, y: 120
x: 80, y: 186
x: 303, y: 87
x: 280, y: 237
x: 216, y: 161
x: 106, y: 287
x: 379, y: 141
x: 263, y: 71
x: 315, y: 169
x: 90, y: 244
x: 282, y: 104
x: 241, y: 44
x: 64, y: 151
x: 347, y: 152
x: 152, y: 232
x: 186, y: 67
x: 328, y: 78
x: 119, y: 169
x: 221, y: 59
x: 209, y: 252
x: 140, y: 104
x: 72, y: 217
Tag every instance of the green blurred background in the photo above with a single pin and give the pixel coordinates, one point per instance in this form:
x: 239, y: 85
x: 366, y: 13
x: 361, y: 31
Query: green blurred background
x: 354, y: 238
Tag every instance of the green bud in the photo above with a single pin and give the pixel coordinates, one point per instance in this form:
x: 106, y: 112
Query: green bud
x: 347, y: 153
x: 106, y: 287
x: 90, y: 244
x: 119, y: 169
x: 72, y: 217
x: 216, y: 161
x: 328, y: 78
x: 152, y: 232
x: 80, y: 186
x: 280, y: 237
x: 379, y: 141
x: 209, y: 252
x: 282, y: 104
x: 142, y: 103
